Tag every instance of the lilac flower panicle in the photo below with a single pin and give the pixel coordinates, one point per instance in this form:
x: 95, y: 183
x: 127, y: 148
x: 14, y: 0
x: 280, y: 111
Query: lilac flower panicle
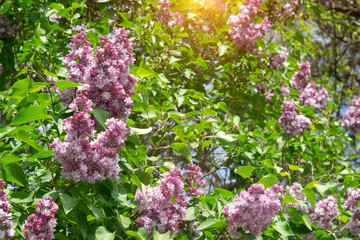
x: 351, y: 120
x: 244, y: 32
x: 285, y: 91
x: 325, y: 211
x: 6, y: 228
x: 300, y: 79
x: 311, y: 97
x: 41, y: 225
x: 164, y: 207
x: 268, y: 97
x: 351, y: 204
x: 292, y: 123
x: 253, y: 209
x: 165, y: 15
x: 277, y: 59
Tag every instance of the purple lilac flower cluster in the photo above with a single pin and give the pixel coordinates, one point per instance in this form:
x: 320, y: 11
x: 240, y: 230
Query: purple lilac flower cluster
x: 41, y: 225
x: 193, y: 180
x: 277, y: 59
x: 109, y: 87
x: 166, y: 16
x: 1, y: 69
x: 300, y: 79
x: 295, y: 191
x: 164, y: 207
x: 288, y: 10
x: 311, y: 97
x: 243, y: 31
x: 6, y: 26
x: 351, y: 120
x: 253, y: 209
x: 325, y: 211
x: 352, y: 204
x: 6, y: 229
x: 285, y: 91
x: 292, y: 123
x: 79, y: 28
x: 326, y: 3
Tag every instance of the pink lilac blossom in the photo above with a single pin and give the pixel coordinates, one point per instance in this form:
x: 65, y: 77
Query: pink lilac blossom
x: 1, y: 69
x: 268, y: 97
x: 41, y: 225
x: 288, y: 10
x: 351, y: 120
x: 54, y: 18
x: 292, y: 123
x: 193, y: 180
x: 165, y: 15
x: 300, y: 79
x: 260, y: 86
x: 277, y: 59
x: 164, y: 207
x: 326, y: 3
x: 325, y: 211
x: 311, y: 97
x: 79, y: 28
x: 6, y: 229
x: 285, y: 91
x: 351, y: 204
x: 253, y: 210
x: 295, y: 191
x: 244, y: 32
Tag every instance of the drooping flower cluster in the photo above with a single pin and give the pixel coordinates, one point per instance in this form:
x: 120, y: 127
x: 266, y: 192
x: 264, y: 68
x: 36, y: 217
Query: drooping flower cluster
x: 79, y: 28
x: 41, y: 225
x: 325, y: 211
x: 292, y: 123
x: 1, y: 69
x: 295, y: 191
x: 285, y: 91
x: 166, y: 16
x: 352, y: 204
x: 351, y: 120
x: 109, y: 86
x: 193, y: 180
x: 243, y: 31
x: 326, y: 3
x: 85, y: 160
x: 311, y: 97
x: 268, y: 97
x: 253, y: 209
x: 6, y: 229
x: 300, y: 79
x: 277, y: 59
x: 164, y: 207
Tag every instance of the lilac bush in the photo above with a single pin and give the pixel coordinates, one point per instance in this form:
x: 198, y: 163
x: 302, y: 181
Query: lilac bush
x: 292, y: 123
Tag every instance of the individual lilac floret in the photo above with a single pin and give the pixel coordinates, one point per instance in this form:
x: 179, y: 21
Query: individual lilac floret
x: 164, y: 207
x: 277, y: 59
x: 244, y: 32
x: 253, y: 210
x: 6, y: 229
x: 41, y: 225
x: 292, y: 123
x: 351, y: 120
x: 311, y: 97
x: 325, y: 211
x: 300, y: 79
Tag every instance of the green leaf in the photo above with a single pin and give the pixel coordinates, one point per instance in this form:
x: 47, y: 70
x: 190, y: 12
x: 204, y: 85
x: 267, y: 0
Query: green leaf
x: 98, y: 213
x: 222, y: 48
x: 283, y: 228
x: 68, y: 202
x: 159, y: 236
x: 140, y: 131
x: 63, y: 84
x: 101, y: 116
x: 141, y: 72
x: 244, y: 171
x: 103, y: 1
x: 269, y: 180
x: 183, y: 149
x: 200, y: 62
x: 29, y: 114
x: 211, y: 223
x: 15, y: 173
x: 310, y: 194
x: 103, y: 234
x: 5, y: 7
x: 223, y: 138
x: 281, y: 140
x: 294, y: 92
x: 62, y: 72
x: 23, y: 136
x: 191, y: 215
